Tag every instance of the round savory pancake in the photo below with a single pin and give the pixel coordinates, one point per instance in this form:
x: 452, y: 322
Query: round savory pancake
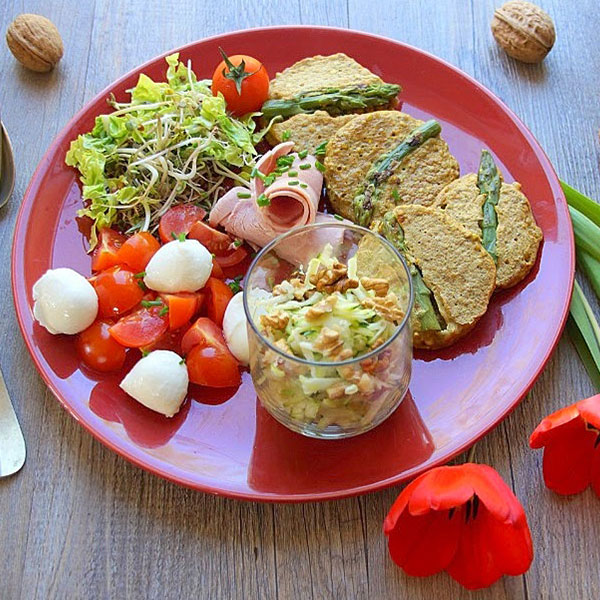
x: 517, y: 235
x: 307, y: 131
x: 319, y: 72
x: 357, y: 145
x: 455, y: 267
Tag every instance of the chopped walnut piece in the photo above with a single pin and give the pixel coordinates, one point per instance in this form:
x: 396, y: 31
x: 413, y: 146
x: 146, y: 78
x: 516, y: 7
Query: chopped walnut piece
x: 380, y: 286
x: 326, y: 276
x: 278, y: 320
x: 316, y: 311
x: 387, y: 307
x: 342, y: 286
x: 328, y: 342
x: 337, y: 390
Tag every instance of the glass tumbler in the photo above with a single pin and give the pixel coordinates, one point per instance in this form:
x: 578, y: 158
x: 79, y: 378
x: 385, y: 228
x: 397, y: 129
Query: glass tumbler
x: 344, y: 398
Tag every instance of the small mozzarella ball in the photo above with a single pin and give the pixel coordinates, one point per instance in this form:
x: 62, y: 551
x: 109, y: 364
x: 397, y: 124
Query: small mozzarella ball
x: 234, y: 329
x: 158, y: 381
x: 64, y: 301
x: 179, y: 266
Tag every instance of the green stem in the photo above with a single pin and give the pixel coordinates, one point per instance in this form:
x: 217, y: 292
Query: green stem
x: 365, y: 201
x: 489, y: 183
x: 336, y: 101
x: 423, y: 305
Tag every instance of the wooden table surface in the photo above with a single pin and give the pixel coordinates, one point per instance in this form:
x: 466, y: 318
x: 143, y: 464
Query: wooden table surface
x: 80, y: 522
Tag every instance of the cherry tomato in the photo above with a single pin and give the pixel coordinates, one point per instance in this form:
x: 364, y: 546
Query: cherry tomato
x: 137, y: 251
x: 209, y: 361
x: 170, y: 340
x: 118, y: 291
x: 179, y: 219
x: 140, y: 328
x: 232, y: 259
x: 106, y: 252
x: 218, y: 296
x: 215, y: 241
x: 217, y: 270
x: 182, y: 307
x: 98, y: 349
x: 243, y: 81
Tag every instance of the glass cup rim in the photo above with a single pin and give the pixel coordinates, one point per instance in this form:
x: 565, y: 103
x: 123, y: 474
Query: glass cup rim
x: 340, y: 363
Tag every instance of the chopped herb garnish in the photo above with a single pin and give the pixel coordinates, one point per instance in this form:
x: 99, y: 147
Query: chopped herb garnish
x: 244, y: 195
x: 235, y: 284
x: 303, y: 185
x: 142, y: 285
x: 305, y: 166
x: 321, y: 148
x: 338, y: 217
x: 179, y: 236
x: 285, y: 136
x: 320, y: 166
x: 182, y: 361
x: 237, y: 243
x: 262, y: 200
x: 303, y: 154
x: 268, y: 180
x: 255, y: 172
x: 292, y: 173
x: 163, y: 311
x: 140, y: 275
x: 145, y: 353
x: 293, y: 182
x: 149, y: 303
x: 285, y: 161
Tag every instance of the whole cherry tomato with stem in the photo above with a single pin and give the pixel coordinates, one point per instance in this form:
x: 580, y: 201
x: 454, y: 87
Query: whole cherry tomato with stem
x: 243, y: 81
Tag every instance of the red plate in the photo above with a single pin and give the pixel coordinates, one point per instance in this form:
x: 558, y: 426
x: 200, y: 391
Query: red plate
x: 223, y: 442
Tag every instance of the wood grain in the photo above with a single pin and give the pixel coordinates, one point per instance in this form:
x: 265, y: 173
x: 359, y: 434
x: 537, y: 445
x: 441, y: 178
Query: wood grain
x: 80, y: 522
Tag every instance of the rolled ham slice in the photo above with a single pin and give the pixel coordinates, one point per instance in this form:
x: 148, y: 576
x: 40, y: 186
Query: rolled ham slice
x: 290, y: 205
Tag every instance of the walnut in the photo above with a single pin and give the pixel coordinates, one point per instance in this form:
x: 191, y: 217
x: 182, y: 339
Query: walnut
x: 35, y: 42
x: 337, y: 390
x: 388, y: 307
x: 380, y: 286
x: 316, y: 311
x: 342, y: 286
x: 328, y: 342
x: 278, y: 320
x: 326, y: 276
x: 524, y: 31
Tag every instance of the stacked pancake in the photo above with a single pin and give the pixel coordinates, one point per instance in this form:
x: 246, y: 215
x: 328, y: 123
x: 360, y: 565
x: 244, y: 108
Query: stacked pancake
x: 462, y: 237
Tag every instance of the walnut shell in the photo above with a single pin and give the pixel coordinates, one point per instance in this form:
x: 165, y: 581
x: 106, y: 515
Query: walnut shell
x: 35, y: 42
x: 524, y: 31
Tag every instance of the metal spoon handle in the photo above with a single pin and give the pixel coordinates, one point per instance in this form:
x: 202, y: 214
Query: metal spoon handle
x: 12, y: 443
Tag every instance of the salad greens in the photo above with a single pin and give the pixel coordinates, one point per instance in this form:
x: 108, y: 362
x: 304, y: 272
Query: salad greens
x: 173, y: 142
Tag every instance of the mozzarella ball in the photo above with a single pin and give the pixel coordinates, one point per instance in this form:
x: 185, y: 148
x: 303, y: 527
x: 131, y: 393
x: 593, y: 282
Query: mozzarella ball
x: 64, y: 301
x: 234, y: 329
x: 179, y: 266
x: 158, y: 381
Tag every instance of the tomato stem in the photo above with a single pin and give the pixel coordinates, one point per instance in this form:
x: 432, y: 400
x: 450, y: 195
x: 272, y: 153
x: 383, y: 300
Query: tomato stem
x: 237, y: 74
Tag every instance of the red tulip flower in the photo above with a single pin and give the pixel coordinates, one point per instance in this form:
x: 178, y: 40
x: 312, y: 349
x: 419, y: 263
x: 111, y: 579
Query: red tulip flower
x: 570, y: 438
x: 462, y: 519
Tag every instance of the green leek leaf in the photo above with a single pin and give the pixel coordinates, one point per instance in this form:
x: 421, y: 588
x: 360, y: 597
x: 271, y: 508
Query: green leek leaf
x: 582, y: 203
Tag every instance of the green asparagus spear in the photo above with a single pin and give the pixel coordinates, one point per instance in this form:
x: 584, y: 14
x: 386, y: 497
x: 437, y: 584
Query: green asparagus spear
x: 336, y: 101
x: 489, y: 182
x: 423, y: 305
x: 365, y: 201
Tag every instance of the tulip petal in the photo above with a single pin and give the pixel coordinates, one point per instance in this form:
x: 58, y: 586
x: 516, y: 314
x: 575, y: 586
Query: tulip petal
x: 568, y: 459
x: 550, y: 427
x: 424, y: 545
x: 589, y: 409
x: 473, y: 565
x: 441, y: 488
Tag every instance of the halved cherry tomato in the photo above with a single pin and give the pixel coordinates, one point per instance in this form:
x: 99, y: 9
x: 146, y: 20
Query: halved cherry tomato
x: 182, y: 307
x: 217, y: 270
x: 170, y: 340
x: 118, y: 291
x: 243, y: 81
x: 218, y: 296
x: 140, y: 328
x: 232, y: 259
x: 217, y: 242
x: 98, y: 349
x: 208, y: 359
x: 179, y: 219
x: 106, y: 253
x: 137, y: 251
